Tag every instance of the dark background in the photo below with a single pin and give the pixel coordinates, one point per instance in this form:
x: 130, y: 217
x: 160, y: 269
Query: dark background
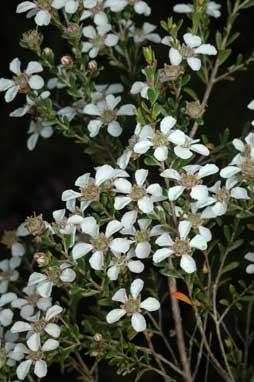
x: 34, y: 180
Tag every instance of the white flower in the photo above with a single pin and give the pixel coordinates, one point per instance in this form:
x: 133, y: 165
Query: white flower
x: 142, y: 235
x: 185, y: 146
x: 138, y: 193
x: 132, y: 306
x: 95, y: 9
x: 159, y: 140
x: 41, y: 11
x: 141, y: 88
x: 197, y: 223
x: 140, y: 7
x: 22, y: 82
x: 30, y: 302
x: 189, y: 51
x: 218, y: 203
x: 38, y: 129
x: 244, y: 161
x: 251, y: 107
x: 34, y: 354
x: 70, y: 6
x: 107, y: 115
x: 140, y: 133
x: 190, y: 180
x: 212, y: 9
x: 146, y: 33
x: 100, y: 243
x: 90, y: 188
x: 6, y: 317
x: 250, y: 268
x: 8, y: 272
x: 44, y: 282
x: 181, y: 247
x: 98, y: 39
x: 120, y: 263
x: 30, y: 103
x: 103, y: 90
x: 39, y: 325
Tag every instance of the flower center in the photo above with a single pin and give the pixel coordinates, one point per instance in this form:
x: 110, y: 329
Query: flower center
x: 39, y: 326
x: 141, y: 236
x: 108, y: 116
x: 188, y: 181
x: 160, y: 139
x: 98, y: 41
x: 44, y: 4
x: 247, y: 167
x: 22, y: 81
x: 32, y: 298
x: 223, y: 195
x: 195, y: 219
x: 5, y: 275
x: 186, y: 52
x: 9, y: 238
x: 90, y: 192
x: 181, y: 247
x: 137, y: 193
x: 101, y: 243
x: 131, y: 306
x: 35, y: 356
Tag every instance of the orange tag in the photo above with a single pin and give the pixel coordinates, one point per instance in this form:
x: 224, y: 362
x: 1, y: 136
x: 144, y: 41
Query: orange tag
x: 182, y: 297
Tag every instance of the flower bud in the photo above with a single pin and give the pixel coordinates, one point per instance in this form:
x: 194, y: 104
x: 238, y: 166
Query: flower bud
x: 35, y: 225
x: 67, y: 61
x: 92, y: 65
x: 41, y: 258
x: 98, y: 337
x: 194, y: 109
x: 171, y: 72
x: 32, y: 39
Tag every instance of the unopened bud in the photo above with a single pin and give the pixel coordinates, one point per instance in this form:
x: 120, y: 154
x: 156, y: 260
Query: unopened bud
x: 92, y: 65
x: 194, y: 109
x: 67, y: 61
x: 48, y: 51
x: 32, y: 39
x: 98, y: 337
x: 41, y: 258
x: 171, y: 72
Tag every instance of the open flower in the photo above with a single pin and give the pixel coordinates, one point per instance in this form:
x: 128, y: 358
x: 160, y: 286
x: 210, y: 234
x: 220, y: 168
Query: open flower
x: 100, y: 243
x: 69, y: 6
x: 34, y: 354
x: 8, y: 272
x: 36, y: 130
x: 11, y: 240
x: 140, y: 7
x: 191, y: 180
x: 212, y: 8
x: 22, y: 82
x: 107, y: 115
x: 186, y: 146
x: 146, y: 33
x: 30, y: 302
x: 132, y: 306
x: 90, y: 188
x: 44, y: 282
x: 189, y: 51
x: 158, y: 139
x: 220, y: 198
x: 140, y: 235
x: 138, y: 193
x: 39, y: 325
x: 98, y: 39
x: 181, y: 247
x: 95, y: 9
x: 120, y: 263
x: 38, y: 8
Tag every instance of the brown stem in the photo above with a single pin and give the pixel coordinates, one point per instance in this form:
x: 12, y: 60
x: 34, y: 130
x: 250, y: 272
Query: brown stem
x: 153, y: 351
x: 179, y: 328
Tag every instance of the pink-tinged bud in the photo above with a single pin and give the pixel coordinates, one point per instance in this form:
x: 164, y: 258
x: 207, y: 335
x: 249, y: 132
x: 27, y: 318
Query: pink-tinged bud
x: 67, y: 61
x: 42, y: 259
x: 92, y: 65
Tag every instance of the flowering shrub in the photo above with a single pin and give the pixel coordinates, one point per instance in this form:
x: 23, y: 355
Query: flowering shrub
x: 163, y: 215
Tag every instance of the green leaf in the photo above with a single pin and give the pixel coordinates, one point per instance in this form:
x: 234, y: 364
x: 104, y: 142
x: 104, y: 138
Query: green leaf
x: 224, y: 302
x: 153, y: 95
x: 249, y: 4
x: 230, y: 267
x: 218, y: 38
x: 224, y: 55
x: 191, y: 93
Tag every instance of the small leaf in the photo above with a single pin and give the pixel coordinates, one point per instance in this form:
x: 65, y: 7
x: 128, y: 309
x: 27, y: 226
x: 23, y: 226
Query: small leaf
x: 224, y: 55
x: 230, y: 267
x: 181, y: 296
